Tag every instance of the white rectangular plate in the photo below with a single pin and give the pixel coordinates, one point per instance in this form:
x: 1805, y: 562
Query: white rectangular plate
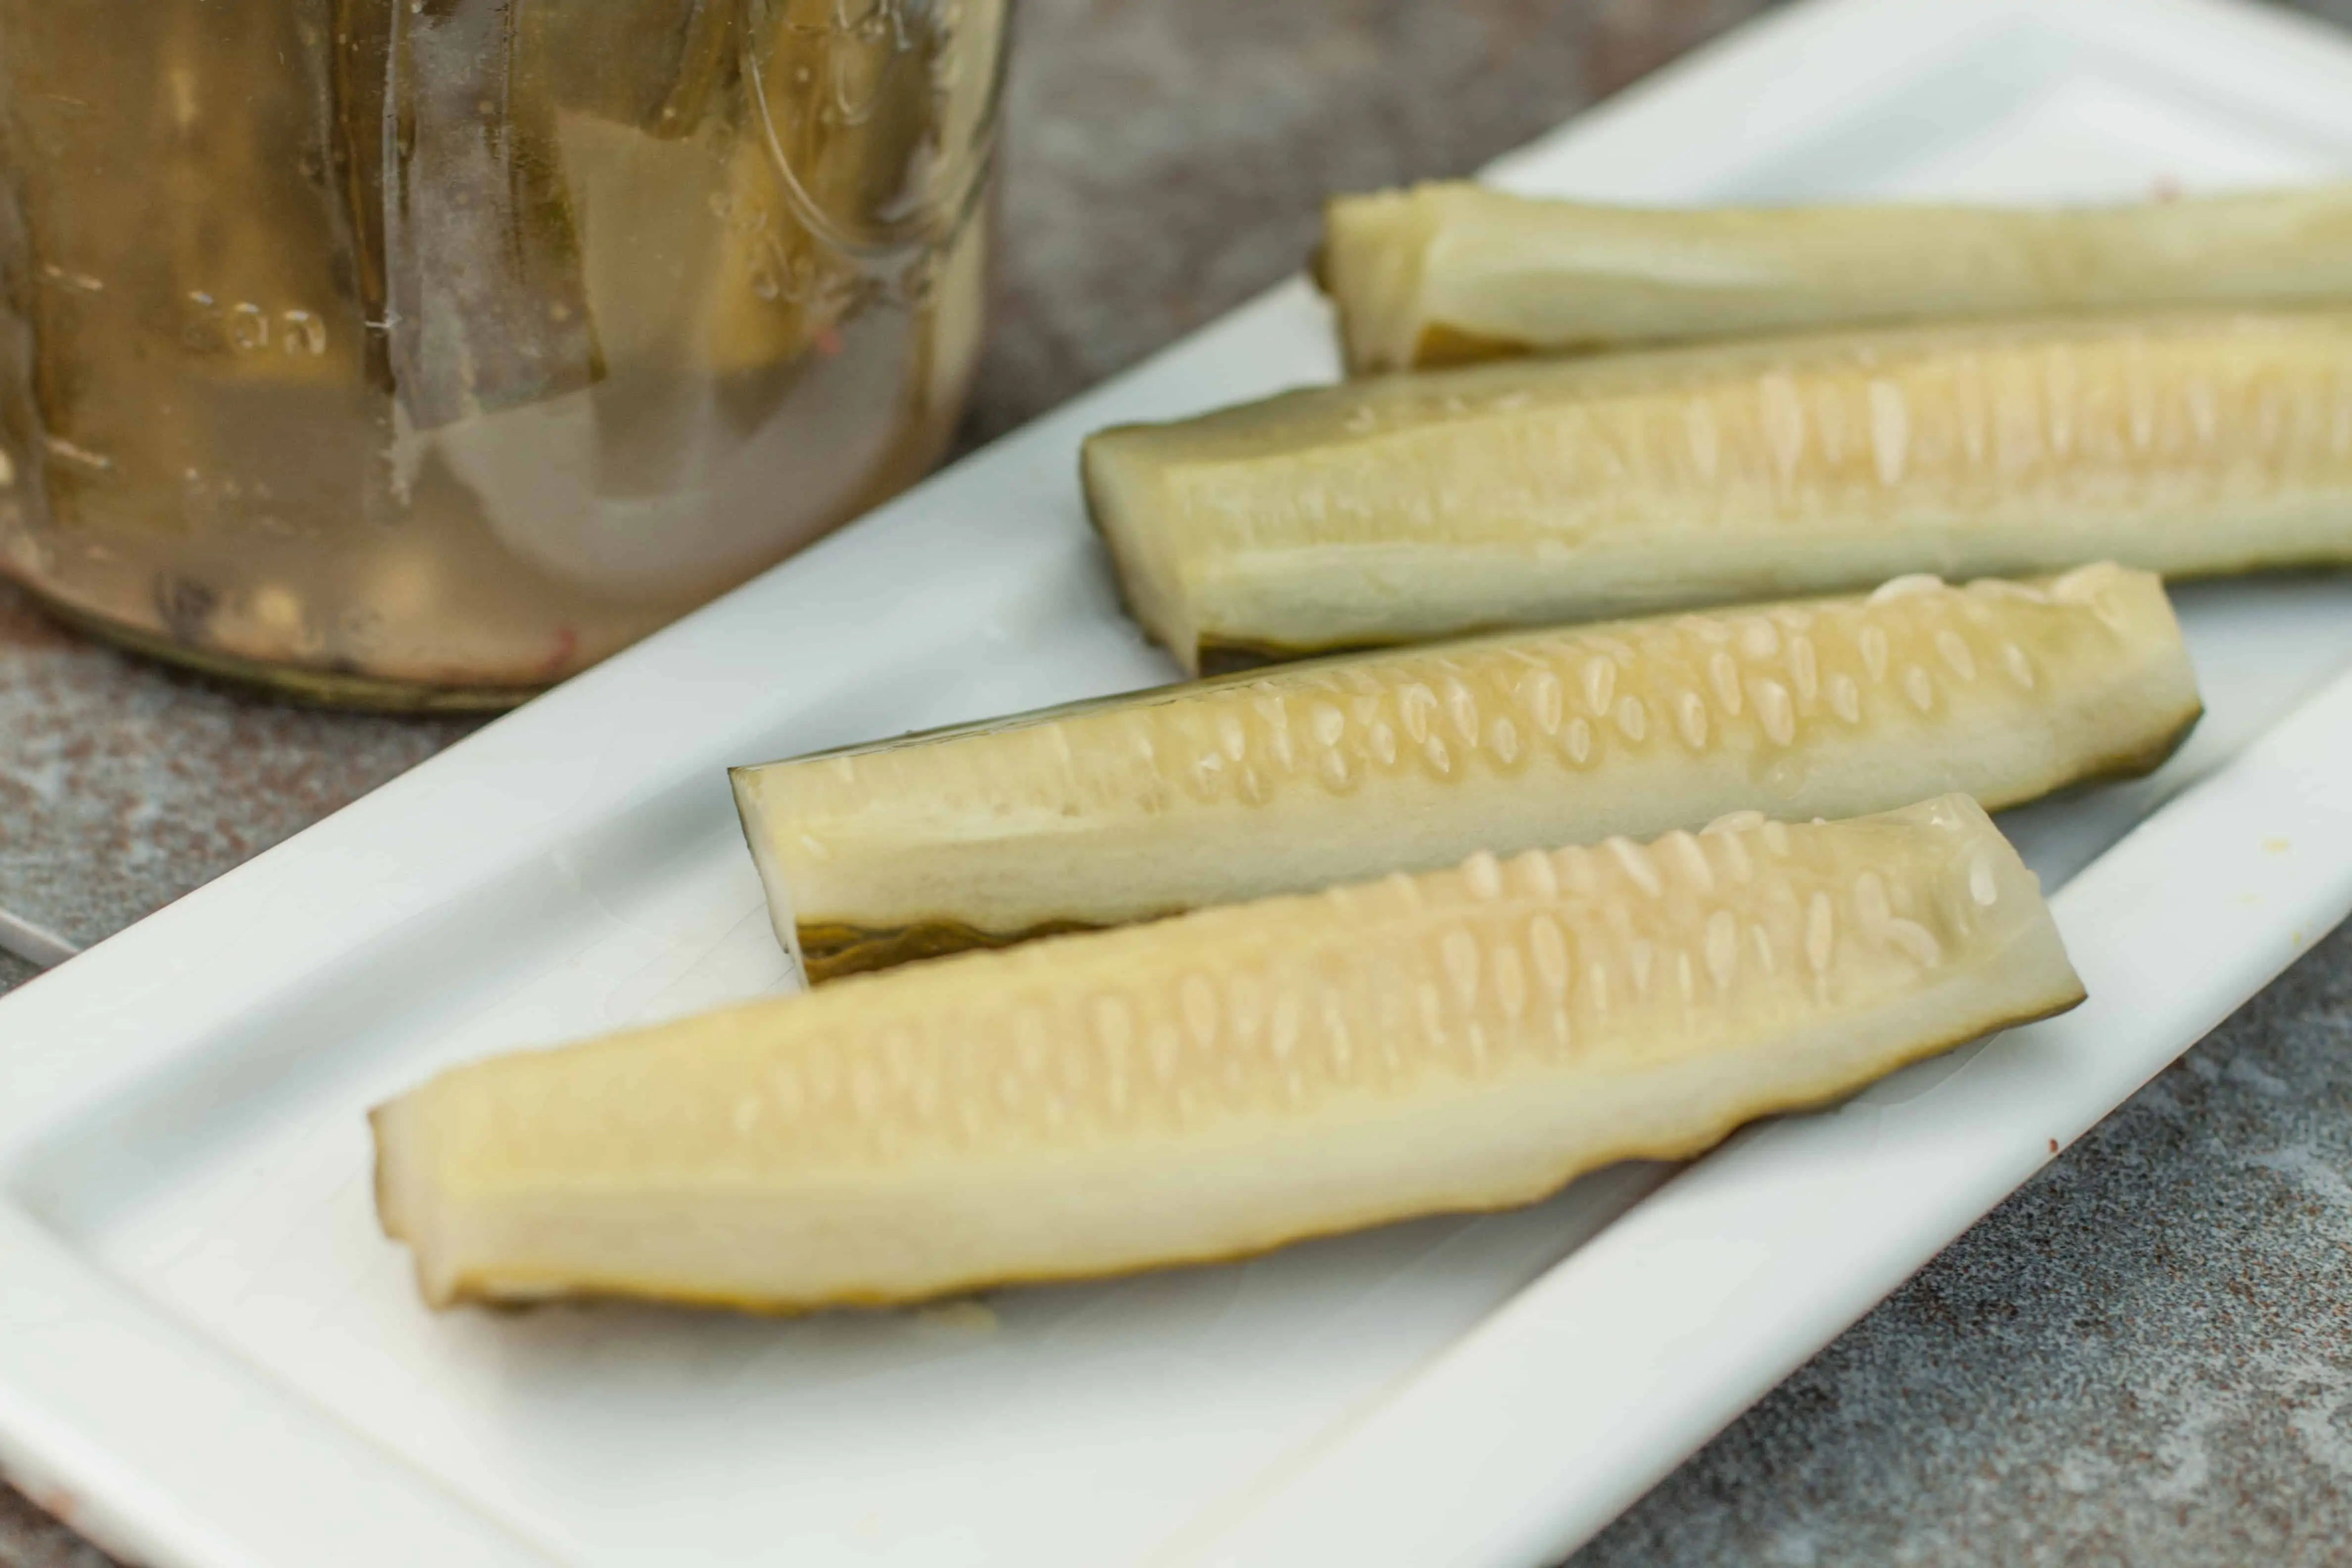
x: 208, y: 1356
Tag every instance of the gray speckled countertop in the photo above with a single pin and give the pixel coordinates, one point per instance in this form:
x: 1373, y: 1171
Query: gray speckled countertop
x: 2143, y: 1357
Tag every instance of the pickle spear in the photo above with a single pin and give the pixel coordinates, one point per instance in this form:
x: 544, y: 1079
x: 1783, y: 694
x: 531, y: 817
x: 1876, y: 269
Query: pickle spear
x: 1535, y: 491
x: 1301, y: 776
x: 1445, y: 273
x: 1217, y: 1084
x: 487, y: 309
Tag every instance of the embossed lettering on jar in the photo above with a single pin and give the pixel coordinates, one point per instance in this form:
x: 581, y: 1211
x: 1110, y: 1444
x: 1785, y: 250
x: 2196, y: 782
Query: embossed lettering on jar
x: 423, y: 354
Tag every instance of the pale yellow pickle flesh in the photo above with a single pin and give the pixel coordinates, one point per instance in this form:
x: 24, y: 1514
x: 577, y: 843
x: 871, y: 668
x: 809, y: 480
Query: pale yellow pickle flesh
x: 1537, y: 491
x: 1442, y: 274
x: 1225, y: 1082
x: 1303, y: 776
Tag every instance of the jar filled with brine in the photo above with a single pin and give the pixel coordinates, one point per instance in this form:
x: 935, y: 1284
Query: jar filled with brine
x: 419, y: 353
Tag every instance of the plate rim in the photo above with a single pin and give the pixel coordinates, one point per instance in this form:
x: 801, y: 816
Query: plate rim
x: 144, y: 1434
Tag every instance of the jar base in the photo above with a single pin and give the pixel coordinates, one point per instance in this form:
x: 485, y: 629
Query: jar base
x: 309, y: 688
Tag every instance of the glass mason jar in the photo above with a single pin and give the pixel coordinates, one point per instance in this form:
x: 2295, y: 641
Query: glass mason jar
x: 419, y: 353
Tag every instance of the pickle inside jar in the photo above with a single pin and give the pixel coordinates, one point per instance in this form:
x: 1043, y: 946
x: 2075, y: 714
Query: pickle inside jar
x: 749, y: 273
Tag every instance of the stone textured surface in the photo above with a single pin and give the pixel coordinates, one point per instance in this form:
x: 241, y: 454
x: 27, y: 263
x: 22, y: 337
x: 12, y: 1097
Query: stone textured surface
x: 123, y: 786
x: 1168, y: 159
x: 2144, y: 1357
x: 30, y: 1538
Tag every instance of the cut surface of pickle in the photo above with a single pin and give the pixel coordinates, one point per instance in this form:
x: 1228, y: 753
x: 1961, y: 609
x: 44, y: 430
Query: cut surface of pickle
x: 1299, y: 776
x: 1225, y: 1082
x: 1445, y: 273
x: 1531, y: 491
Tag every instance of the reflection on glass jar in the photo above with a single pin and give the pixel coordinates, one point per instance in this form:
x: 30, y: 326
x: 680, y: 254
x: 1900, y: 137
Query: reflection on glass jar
x: 423, y: 351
